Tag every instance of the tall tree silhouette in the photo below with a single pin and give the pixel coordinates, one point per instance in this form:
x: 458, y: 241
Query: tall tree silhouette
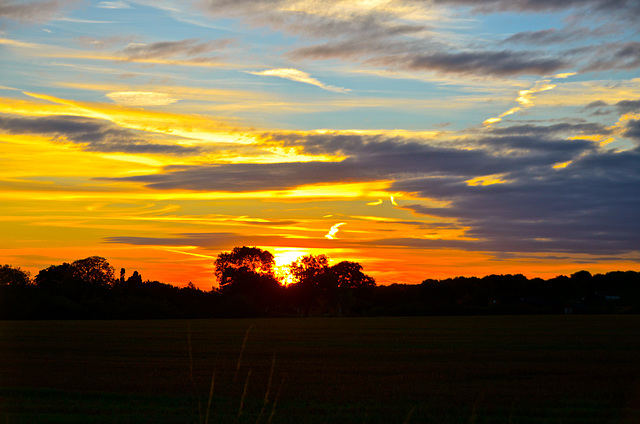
x: 315, y: 287
x: 246, y: 277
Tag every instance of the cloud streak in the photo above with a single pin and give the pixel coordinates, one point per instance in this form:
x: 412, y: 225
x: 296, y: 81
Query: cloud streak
x: 299, y: 76
x: 89, y: 134
x: 333, y: 232
x: 32, y: 12
x: 189, y: 49
x: 141, y: 98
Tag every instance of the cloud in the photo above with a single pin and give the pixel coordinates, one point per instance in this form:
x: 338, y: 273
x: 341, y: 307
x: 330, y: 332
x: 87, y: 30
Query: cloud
x: 190, y: 48
x: 613, y: 56
x: 103, y: 42
x: 586, y: 6
x: 632, y: 130
x: 628, y: 106
x: 213, y: 241
x: 525, y: 98
x: 299, y: 76
x: 587, y: 206
x: 368, y: 158
x: 90, y: 134
x: 119, y: 4
x: 395, y: 35
x: 426, y: 57
x: 222, y: 241
x: 544, y: 36
x: 495, y: 63
x: 141, y: 98
x: 332, y: 234
x: 413, y: 36
x: 35, y: 11
x: 623, y: 107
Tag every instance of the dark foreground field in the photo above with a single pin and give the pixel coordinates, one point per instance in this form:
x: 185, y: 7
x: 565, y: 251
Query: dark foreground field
x: 550, y: 369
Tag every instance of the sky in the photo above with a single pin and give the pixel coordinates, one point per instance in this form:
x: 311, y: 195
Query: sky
x: 420, y: 138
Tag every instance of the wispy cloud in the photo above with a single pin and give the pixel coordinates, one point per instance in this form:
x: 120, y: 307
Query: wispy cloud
x: 525, y: 99
x: 141, y: 98
x: 113, y: 5
x: 332, y: 234
x: 190, y: 49
x: 34, y: 11
x: 299, y: 76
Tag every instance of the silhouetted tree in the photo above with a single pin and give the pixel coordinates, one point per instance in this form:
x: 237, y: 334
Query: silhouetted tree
x: 18, y: 298
x: 94, y: 271
x: 243, y: 260
x: 10, y: 276
x: 83, y: 279
x: 311, y: 274
x: 56, y: 278
x: 349, y: 274
x: 246, y: 277
x: 133, y: 283
x: 353, y: 286
x: 323, y: 288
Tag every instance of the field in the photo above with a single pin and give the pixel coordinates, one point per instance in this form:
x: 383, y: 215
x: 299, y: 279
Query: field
x: 525, y: 369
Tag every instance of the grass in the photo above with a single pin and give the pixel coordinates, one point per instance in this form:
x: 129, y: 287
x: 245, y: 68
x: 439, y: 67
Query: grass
x: 549, y: 369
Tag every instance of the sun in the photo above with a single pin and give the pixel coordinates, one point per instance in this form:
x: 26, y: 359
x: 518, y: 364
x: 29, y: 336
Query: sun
x: 284, y: 256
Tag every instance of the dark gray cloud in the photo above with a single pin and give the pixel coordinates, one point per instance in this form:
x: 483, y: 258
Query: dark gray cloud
x: 90, y: 134
x: 495, y: 63
x: 587, y: 207
x: 596, y: 104
x: 589, y: 6
x: 369, y: 158
x: 587, y: 128
x: 214, y: 241
x: 548, y: 36
x: 612, y: 56
x: 224, y: 241
x: 418, y: 57
x: 544, y: 36
x: 628, y: 106
x: 602, y: 108
x: 632, y: 130
x: 191, y: 49
x: 31, y: 12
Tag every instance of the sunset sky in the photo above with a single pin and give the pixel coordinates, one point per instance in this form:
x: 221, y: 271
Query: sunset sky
x: 423, y: 139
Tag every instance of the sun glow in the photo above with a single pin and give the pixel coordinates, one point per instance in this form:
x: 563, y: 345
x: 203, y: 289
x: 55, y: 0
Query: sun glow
x: 284, y: 256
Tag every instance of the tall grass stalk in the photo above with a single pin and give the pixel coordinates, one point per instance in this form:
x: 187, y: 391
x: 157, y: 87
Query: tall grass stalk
x: 266, y: 394
x: 275, y: 402
x: 244, y: 393
x: 244, y: 344
x: 213, y: 380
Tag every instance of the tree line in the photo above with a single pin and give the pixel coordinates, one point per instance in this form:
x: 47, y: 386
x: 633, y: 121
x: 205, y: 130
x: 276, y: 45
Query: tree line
x: 248, y: 287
